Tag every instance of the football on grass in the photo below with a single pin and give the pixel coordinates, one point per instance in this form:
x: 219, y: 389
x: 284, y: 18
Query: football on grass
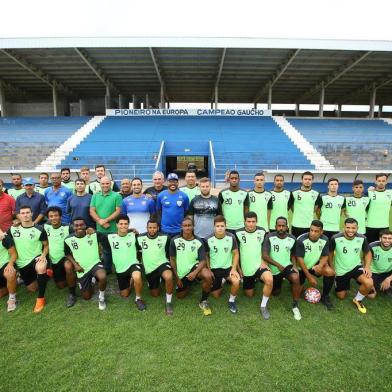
x: 312, y: 295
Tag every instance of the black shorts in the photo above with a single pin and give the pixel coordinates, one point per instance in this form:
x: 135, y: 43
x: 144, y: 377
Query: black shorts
x: 85, y: 281
x: 329, y: 234
x: 278, y: 279
x: 297, y: 231
x: 154, y: 277
x: 186, y: 283
x: 59, y: 271
x: 124, y: 278
x: 219, y: 275
x: 248, y: 282
x: 302, y: 276
x: 343, y: 281
x: 379, y: 278
x: 373, y: 234
x: 28, y: 273
x: 3, y: 281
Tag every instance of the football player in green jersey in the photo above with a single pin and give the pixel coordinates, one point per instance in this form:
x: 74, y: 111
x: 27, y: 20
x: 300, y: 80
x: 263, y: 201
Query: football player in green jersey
x: 257, y: 201
x: 32, y: 247
x: 382, y: 263
x: 279, y: 252
x: 356, y: 206
x: 8, y: 281
x: 82, y: 251
x: 380, y: 200
x: 223, y: 260
x: 345, y: 258
x: 330, y: 210
x: 311, y: 252
x: 233, y: 203
x: 124, y: 254
x: 304, y: 202
x: 188, y: 260
x: 278, y: 204
x: 154, y: 247
x: 253, y: 267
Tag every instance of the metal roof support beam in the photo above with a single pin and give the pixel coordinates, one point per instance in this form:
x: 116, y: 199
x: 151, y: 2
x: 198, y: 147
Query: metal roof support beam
x: 269, y: 104
x: 108, y: 98
x: 162, y: 103
x: 278, y: 74
x: 338, y: 73
x: 218, y: 76
x: 339, y: 112
x: 99, y: 73
x: 55, y: 101
x: 3, y: 104
x: 321, y: 103
x: 379, y: 114
x: 158, y: 72
x: 216, y: 95
x: 39, y: 74
x: 297, y: 109
x: 372, y: 101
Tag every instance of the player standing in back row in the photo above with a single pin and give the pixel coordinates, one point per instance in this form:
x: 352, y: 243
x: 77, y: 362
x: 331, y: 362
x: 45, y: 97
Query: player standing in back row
x: 304, y: 202
x: 233, y: 203
x: 278, y: 204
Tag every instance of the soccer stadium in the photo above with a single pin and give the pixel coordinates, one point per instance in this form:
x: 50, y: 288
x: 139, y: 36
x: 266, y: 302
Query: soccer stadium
x: 263, y: 110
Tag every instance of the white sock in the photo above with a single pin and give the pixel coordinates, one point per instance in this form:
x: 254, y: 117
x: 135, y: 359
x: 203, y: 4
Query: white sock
x: 264, y: 301
x: 232, y: 298
x: 137, y: 297
x: 101, y: 295
x: 359, y: 296
x: 12, y: 297
x: 169, y: 298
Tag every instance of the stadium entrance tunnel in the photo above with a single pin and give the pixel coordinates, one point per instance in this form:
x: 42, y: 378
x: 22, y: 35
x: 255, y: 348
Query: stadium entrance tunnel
x: 181, y: 163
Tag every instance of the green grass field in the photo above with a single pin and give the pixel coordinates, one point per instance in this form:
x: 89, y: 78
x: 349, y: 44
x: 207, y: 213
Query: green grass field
x: 121, y: 349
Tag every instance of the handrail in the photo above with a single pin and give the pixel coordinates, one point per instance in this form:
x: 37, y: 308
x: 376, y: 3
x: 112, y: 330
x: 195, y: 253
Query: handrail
x: 213, y: 165
x: 159, y: 155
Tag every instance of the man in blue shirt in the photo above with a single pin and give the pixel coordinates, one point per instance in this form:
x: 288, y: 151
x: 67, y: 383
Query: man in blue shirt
x: 172, y: 206
x: 138, y: 207
x: 78, y: 205
x: 58, y: 195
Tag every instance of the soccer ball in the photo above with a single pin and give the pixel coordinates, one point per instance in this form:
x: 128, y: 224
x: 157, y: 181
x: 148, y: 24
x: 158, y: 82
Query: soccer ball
x: 312, y: 295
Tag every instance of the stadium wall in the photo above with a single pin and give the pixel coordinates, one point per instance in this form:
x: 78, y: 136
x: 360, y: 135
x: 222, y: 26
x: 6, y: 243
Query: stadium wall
x: 36, y: 109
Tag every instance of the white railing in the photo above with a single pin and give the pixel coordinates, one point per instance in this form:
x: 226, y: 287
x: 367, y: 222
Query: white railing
x: 212, y: 164
x: 158, y: 164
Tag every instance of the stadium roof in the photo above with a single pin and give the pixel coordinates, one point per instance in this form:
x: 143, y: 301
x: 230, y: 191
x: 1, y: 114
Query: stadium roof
x: 190, y: 69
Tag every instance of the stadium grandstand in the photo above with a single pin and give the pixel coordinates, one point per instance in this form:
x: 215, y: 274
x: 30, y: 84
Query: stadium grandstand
x: 74, y: 102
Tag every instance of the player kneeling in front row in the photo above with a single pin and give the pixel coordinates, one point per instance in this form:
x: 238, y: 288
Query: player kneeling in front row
x: 82, y: 251
x: 63, y: 272
x: 124, y: 255
x: 154, y: 247
x: 188, y: 260
x: 345, y: 257
x: 278, y: 251
x: 312, y: 260
x: 223, y: 261
x: 382, y: 263
x: 253, y: 267
x: 8, y: 281
x: 32, y: 248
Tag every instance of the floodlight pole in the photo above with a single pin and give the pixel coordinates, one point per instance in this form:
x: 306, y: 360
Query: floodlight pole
x: 321, y: 104
x: 372, y: 101
x: 2, y: 100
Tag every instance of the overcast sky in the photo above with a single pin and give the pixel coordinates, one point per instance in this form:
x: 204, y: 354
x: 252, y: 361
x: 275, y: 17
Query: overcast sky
x: 334, y: 19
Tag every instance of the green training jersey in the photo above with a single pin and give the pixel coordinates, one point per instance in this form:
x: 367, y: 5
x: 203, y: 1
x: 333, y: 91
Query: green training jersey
x: 279, y: 206
x: 347, y: 253
x: 188, y: 253
x: 331, y: 209
x: 356, y: 208
x: 15, y: 192
x: 279, y: 249
x: 154, y: 250
x: 5, y: 244
x: 70, y: 185
x: 378, y: 209
x: 382, y: 258
x: 40, y: 189
x: 95, y: 187
x: 56, y: 239
x: 311, y: 251
x: 123, y: 250
x: 220, y: 251
x: 233, y: 207
x: 303, y: 204
x: 258, y: 202
x: 28, y: 243
x: 251, y: 249
x: 84, y: 250
x: 191, y: 192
